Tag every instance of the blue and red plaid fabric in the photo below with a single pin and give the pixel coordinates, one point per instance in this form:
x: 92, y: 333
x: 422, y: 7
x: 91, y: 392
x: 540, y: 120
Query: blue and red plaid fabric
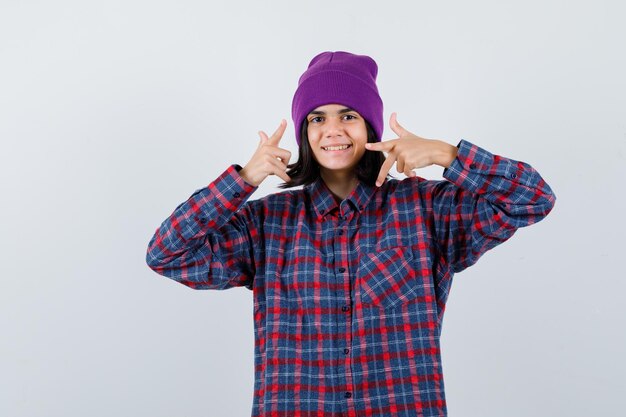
x: 349, y: 298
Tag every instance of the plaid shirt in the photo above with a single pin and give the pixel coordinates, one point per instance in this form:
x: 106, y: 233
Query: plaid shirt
x: 349, y: 298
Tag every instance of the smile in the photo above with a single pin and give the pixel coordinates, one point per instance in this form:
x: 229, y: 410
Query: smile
x: 336, y: 148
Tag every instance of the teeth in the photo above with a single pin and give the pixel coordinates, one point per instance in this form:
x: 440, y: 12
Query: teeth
x: 336, y: 148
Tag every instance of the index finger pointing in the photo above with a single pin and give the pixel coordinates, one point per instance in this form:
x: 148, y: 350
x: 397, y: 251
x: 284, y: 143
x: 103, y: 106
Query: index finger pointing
x: 379, y: 146
x: 384, y: 169
x: 278, y: 134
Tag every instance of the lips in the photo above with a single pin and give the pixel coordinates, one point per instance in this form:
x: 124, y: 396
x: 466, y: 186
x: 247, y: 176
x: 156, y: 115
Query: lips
x: 340, y: 147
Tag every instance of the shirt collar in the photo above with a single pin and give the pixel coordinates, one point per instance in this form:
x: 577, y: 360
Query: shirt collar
x: 323, y: 200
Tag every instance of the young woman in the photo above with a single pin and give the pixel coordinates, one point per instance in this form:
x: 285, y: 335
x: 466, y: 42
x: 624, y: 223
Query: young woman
x: 350, y: 274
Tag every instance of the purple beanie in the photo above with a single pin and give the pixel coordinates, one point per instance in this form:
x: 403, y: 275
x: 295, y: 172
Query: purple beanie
x: 339, y: 78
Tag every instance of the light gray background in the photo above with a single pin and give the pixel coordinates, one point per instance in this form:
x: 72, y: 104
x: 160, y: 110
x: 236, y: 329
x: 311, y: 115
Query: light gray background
x: 114, y: 112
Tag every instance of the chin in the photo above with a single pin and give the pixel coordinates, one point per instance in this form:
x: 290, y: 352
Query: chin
x: 338, y: 167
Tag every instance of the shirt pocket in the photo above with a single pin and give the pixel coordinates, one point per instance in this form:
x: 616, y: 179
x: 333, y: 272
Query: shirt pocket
x: 387, y: 278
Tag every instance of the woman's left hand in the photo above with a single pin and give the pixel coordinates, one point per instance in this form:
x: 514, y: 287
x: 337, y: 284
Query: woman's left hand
x: 411, y: 152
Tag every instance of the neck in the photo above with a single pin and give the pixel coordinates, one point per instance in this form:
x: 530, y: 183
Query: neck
x: 340, y: 183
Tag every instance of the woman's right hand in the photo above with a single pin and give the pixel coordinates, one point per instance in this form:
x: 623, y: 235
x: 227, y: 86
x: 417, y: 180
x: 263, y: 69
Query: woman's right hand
x: 268, y: 159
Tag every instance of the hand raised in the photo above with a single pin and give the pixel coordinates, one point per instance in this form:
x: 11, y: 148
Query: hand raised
x: 409, y: 151
x: 268, y: 159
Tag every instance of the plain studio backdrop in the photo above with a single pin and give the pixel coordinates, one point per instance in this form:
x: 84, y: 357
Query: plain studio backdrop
x: 112, y: 113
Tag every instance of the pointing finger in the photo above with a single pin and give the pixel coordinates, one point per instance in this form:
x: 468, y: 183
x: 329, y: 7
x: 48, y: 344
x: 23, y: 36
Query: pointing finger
x: 384, y: 169
x: 284, y: 176
x: 380, y: 146
x: 278, y: 134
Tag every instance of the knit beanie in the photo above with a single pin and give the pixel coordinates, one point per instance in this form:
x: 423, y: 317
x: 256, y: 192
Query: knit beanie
x: 339, y: 78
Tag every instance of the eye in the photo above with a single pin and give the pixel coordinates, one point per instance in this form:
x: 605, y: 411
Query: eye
x: 350, y: 116
x: 315, y: 119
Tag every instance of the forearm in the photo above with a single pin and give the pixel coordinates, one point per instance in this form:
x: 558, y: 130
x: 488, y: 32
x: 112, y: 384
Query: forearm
x: 204, y: 213
x: 485, y: 199
x: 514, y: 186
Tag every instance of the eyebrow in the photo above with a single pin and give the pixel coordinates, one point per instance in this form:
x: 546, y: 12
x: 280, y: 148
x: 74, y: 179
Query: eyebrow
x: 342, y: 111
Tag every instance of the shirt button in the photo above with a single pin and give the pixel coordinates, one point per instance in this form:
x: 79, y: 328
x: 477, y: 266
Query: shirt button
x: 342, y: 269
x: 202, y: 220
x: 346, y: 351
x: 236, y: 195
x: 513, y: 176
x: 348, y: 394
x: 345, y: 308
x: 472, y: 166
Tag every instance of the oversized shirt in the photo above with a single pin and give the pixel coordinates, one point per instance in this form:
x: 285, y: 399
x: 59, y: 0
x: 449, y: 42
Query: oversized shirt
x: 349, y: 297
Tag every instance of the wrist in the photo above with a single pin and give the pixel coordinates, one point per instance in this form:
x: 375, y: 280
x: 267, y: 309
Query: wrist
x: 246, y: 177
x: 445, y: 154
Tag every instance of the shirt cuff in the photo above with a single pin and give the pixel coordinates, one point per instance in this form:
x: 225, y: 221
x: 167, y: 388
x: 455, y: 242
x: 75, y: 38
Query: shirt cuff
x: 478, y: 170
x: 229, y: 181
x: 213, y: 206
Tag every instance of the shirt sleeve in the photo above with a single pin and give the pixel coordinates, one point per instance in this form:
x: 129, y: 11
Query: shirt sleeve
x: 208, y: 241
x: 485, y: 199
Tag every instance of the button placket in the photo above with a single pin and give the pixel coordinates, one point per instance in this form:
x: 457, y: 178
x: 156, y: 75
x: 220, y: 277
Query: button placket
x: 341, y: 245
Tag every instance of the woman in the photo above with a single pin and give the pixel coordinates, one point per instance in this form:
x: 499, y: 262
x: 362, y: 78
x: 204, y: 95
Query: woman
x: 351, y: 273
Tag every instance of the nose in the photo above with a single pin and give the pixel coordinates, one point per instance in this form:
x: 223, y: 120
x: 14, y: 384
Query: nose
x: 333, y: 127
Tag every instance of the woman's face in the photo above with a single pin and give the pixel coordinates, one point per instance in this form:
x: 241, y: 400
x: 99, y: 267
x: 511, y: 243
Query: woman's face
x: 334, y: 125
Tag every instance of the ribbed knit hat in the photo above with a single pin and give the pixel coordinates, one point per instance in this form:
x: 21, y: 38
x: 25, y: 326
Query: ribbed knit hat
x: 339, y: 78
